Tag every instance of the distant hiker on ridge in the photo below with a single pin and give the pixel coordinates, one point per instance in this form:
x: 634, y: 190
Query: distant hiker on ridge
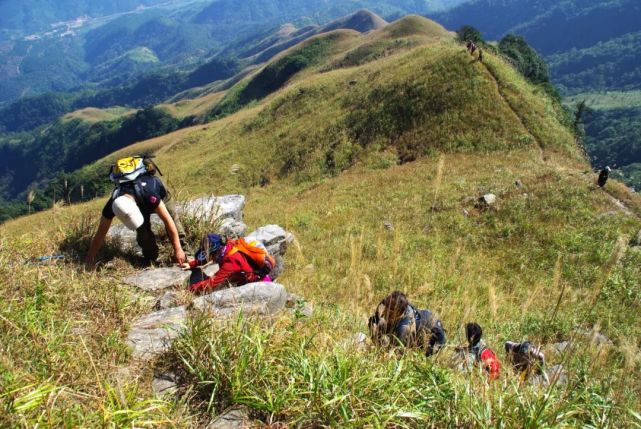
x: 396, y: 319
x: 603, y: 176
x: 481, y: 55
x: 240, y: 262
x: 138, y: 194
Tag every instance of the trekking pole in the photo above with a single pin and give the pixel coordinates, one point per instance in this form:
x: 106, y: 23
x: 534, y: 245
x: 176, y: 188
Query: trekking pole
x: 39, y: 260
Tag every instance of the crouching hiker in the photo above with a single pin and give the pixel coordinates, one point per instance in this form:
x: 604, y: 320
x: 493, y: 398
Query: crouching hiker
x: 481, y: 353
x: 526, y: 358
x: 137, y: 195
x: 397, y: 320
x: 240, y: 262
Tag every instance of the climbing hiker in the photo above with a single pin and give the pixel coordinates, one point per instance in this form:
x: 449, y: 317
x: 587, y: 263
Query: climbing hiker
x: 481, y: 353
x: 137, y: 195
x: 240, y: 262
x: 472, y: 49
x: 481, y: 55
x: 525, y: 357
x: 468, y: 45
x: 603, y: 176
x: 395, y: 319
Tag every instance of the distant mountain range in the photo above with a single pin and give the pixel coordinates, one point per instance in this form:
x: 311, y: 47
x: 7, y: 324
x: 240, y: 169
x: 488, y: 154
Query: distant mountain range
x: 65, y: 45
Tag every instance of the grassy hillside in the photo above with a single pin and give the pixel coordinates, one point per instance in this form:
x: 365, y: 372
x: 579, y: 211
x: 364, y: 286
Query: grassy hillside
x: 590, y: 46
x: 409, y: 140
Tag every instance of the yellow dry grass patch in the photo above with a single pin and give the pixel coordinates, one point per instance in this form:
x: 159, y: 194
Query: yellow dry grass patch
x: 92, y: 114
x: 195, y: 107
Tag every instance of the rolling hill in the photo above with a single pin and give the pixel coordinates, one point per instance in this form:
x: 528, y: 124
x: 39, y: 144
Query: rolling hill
x: 190, y: 98
x: 375, y: 159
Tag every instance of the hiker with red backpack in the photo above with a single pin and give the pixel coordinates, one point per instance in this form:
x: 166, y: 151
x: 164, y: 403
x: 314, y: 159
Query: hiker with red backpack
x: 138, y: 194
x: 480, y: 352
x: 240, y: 262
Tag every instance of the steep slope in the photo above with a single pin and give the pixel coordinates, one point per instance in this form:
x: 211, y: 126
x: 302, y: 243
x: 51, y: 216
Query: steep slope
x: 377, y: 169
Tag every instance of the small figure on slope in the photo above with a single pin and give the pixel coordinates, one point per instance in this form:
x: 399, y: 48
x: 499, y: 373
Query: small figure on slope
x: 603, y: 176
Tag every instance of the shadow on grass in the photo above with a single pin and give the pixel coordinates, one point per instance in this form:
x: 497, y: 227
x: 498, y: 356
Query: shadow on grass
x: 77, y: 239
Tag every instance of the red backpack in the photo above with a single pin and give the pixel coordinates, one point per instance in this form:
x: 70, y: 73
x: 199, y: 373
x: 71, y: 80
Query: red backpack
x: 491, y: 363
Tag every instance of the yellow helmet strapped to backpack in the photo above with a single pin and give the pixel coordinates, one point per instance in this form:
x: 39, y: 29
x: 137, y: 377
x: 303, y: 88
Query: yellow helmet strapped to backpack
x: 131, y: 167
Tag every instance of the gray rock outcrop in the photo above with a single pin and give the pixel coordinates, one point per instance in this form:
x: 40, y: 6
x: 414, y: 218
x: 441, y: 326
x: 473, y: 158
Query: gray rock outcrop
x: 153, y: 334
x: 554, y: 375
x: 212, y: 207
x: 233, y: 228
x: 234, y: 418
x: 158, y: 278
x: 256, y: 298
x: 358, y: 342
x: 168, y: 300
x: 274, y: 238
x: 487, y: 200
x: 164, y: 384
x: 561, y: 347
x: 299, y: 306
x: 126, y: 238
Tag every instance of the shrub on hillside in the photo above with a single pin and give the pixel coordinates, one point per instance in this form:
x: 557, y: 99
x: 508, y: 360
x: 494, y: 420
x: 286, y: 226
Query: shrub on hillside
x: 469, y: 33
x: 527, y: 60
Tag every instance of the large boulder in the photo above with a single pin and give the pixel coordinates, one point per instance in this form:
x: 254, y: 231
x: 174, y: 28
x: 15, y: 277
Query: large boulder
x: 225, y: 207
x: 273, y: 237
x: 168, y: 300
x: 158, y: 278
x: 153, y: 334
x: 256, y: 298
x: 233, y: 229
